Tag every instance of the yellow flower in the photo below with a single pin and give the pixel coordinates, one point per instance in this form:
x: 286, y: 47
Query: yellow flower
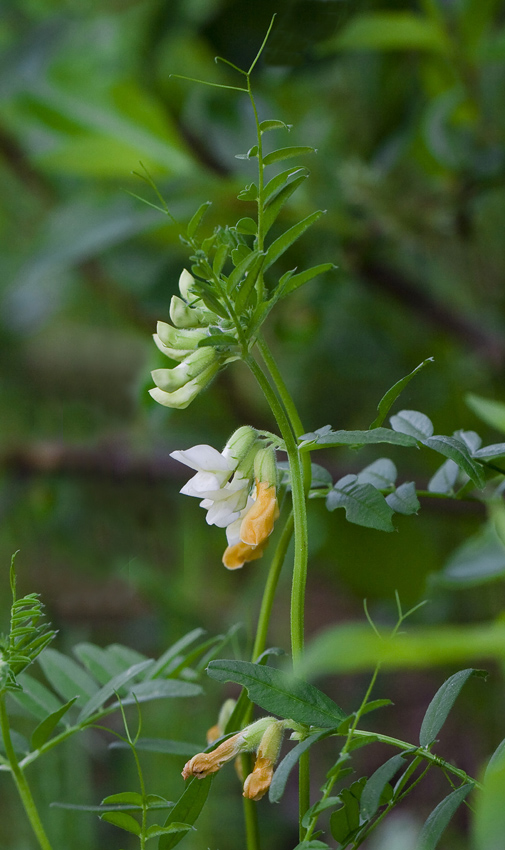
x: 258, y: 782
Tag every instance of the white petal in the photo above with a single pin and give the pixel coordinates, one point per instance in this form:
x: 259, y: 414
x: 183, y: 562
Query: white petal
x: 203, y: 458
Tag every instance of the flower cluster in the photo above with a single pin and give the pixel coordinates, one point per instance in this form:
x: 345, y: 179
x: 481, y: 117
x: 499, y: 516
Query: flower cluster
x: 264, y: 736
x: 237, y: 488
x: 177, y: 387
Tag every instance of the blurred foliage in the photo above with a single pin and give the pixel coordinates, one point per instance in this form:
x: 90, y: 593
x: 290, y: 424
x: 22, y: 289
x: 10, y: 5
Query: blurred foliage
x: 405, y: 102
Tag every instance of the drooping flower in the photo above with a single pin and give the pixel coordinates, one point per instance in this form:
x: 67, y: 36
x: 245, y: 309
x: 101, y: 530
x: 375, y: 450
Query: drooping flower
x: 263, y: 736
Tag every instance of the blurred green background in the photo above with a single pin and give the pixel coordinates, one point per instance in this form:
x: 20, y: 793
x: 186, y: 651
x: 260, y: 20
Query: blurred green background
x: 405, y: 102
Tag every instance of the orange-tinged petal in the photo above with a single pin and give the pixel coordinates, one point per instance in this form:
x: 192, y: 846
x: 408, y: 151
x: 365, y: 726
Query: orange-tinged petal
x: 258, y: 782
x: 259, y: 521
x: 236, y: 556
x: 203, y: 764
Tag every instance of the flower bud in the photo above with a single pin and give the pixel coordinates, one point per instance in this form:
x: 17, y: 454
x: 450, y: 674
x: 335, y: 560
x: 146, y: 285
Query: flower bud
x: 197, y: 362
x: 183, y: 316
x: 185, y: 338
x: 174, y: 354
x: 186, y: 284
x: 183, y: 397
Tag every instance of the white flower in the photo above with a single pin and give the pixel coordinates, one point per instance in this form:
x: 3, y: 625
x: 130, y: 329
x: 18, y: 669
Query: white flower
x: 224, y: 506
x: 212, y: 470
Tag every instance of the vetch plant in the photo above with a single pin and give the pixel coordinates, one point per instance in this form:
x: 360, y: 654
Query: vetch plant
x: 217, y: 319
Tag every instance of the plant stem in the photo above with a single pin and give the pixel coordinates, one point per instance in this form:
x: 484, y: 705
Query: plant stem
x: 270, y: 588
x: 20, y: 780
x: 299, y: 514
x: 301, y: 548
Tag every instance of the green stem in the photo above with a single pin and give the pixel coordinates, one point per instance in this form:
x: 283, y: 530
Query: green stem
x: 270, y: 588
x: 301, y: 550
x: 20, y: 780
x: 299, y: 514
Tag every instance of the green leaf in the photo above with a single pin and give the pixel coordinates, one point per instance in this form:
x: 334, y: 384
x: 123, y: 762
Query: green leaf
x: 161, y: 689
x: 296, y: 280
x: 277, y: 248
x: 248, y: 193
x: 44, y: 729
x: 404, y: 500
x: 412, y: 422
x: 130, y: 798
x: 274, y: 124
x: 363, y: 504
x: 35, y: 697
x: 441, y: 704
x: 323, y: 438
x: 287, y: 153
x: 353, y: 647
x: 389, y: 31
x: 240, y: 270
x: 155, y: 830
x: 496, y: 760
x: 273, y: 209
x: 220, y: 258
x: 247, y: 225
x: 160, y: 745
x: 344, y: 822
x: 437, y: 822
x: 186, y: 810
x: 279, y: 693
x: 251, y: 153
x: 491, y: 412
x: 115, y: 684
x: 492, y: 451
x: 247, y: 287
x: 101, y: 664
x: 456, y: 450
x: 479, y: 559
x: 123, y: 821
x: 280, y: 180
x: 318, y: 808
x: 125, y: 655
x: 445, y: 478
x: 382, y: 473
x: 372, y: 792
x: 313, y: 844
x: 196, y: 219
x: 489, y: 818
x: 389, y: 398
x: 320, y: 477
x: 287, y: 764
x: 66, y: 677
x: 163, y: 663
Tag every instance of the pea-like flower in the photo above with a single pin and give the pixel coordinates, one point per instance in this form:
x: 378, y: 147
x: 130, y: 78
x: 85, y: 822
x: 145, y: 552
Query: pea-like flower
x: 264, y: 736
x: 223, y: 482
